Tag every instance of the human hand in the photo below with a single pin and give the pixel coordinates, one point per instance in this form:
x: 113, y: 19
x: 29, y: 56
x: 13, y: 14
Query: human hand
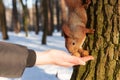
x: 61, y: 58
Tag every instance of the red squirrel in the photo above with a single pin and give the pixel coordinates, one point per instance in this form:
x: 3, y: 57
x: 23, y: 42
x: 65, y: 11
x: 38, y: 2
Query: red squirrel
x: 74, y: 29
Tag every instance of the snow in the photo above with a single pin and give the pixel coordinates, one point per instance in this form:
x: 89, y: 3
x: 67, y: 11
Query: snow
x: 42, y: 72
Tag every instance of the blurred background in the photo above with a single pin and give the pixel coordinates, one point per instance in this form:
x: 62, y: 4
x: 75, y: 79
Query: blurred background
x: 31, y: 15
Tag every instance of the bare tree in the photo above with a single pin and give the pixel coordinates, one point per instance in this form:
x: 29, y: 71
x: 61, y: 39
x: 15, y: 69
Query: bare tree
x: 15, y: 20
x: 49, y: 21
x: 3, y: 21
x: 37, y: 17
x: 50, y: 17
x: 25, y: 16
x: 63, y: 9
x: 58, y: 15
x: 45, y: 24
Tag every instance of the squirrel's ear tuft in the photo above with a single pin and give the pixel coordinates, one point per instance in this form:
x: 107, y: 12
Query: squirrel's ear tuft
x: 66, y: 30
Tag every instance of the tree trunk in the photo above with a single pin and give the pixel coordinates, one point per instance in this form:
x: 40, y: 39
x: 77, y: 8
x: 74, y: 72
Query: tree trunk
x: 25, y: 17
x: 58, y: 15
x: 37, y: 18
x: 3, y: 21
x: 104, y: 17
x: 63, y: 11
x: 15, y: 21
x: 45, y: 24
x: 49, y: 20
x: 51, y: 17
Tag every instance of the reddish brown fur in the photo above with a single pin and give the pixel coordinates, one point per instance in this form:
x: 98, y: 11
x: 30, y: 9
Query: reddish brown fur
x: 72, y: 4
x: 75, y: 29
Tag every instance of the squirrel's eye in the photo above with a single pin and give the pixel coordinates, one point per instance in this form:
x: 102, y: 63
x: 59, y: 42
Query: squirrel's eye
x: 73, y: 43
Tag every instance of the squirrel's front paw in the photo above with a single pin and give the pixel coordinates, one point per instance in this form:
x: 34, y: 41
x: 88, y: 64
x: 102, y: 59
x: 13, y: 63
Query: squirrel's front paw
x: 92, y: 31
x: 83, y: 53
x: 76, y: 54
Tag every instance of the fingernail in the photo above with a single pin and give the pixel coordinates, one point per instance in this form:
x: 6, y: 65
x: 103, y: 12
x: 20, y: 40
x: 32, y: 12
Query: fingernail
x: 92, y: 58
x: 84, y: 63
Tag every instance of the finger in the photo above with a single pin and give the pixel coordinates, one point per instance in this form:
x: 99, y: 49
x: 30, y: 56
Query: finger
x: 87, y: 58
x: 75, y: 60
x: 67, y: 64
x: 78, y: 61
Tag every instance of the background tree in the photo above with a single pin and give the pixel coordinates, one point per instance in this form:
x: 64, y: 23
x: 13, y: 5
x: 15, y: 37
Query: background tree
x: 104, y: 17
x: 45, y: 20
x: 49, y: 20
x: 15, y: 20
x: 3, y: 21
x: 63, y: 10
x: 58, y: 14
x: 51, y: 17
x: 25, y: 16
x: 37, y: 17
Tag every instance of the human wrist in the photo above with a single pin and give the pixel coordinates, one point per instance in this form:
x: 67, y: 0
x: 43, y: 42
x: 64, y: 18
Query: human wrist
x: 43, y: 58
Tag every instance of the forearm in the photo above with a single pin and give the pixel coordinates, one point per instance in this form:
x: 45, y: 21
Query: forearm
x: 42, y: 58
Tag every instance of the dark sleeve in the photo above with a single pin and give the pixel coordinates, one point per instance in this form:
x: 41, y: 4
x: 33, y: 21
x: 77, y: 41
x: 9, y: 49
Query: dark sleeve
x: 14, y: 59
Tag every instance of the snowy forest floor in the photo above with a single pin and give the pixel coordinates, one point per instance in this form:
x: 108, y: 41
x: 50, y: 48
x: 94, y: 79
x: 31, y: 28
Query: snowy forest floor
x: 42, y: 72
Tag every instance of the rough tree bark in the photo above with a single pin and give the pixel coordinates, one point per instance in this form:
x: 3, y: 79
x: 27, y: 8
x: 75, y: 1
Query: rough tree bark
x: 104, y: 17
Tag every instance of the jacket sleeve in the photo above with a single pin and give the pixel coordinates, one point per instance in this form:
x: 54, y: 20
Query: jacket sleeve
x: 14, y: 59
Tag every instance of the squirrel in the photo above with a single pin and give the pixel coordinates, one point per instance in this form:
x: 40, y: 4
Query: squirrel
x: 74, y: 29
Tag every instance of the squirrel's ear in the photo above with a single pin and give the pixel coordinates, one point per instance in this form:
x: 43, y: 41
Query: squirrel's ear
x: 66, y: 30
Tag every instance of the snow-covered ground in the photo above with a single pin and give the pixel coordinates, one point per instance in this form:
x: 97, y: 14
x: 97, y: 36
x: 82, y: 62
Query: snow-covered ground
x: 43, y: 72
